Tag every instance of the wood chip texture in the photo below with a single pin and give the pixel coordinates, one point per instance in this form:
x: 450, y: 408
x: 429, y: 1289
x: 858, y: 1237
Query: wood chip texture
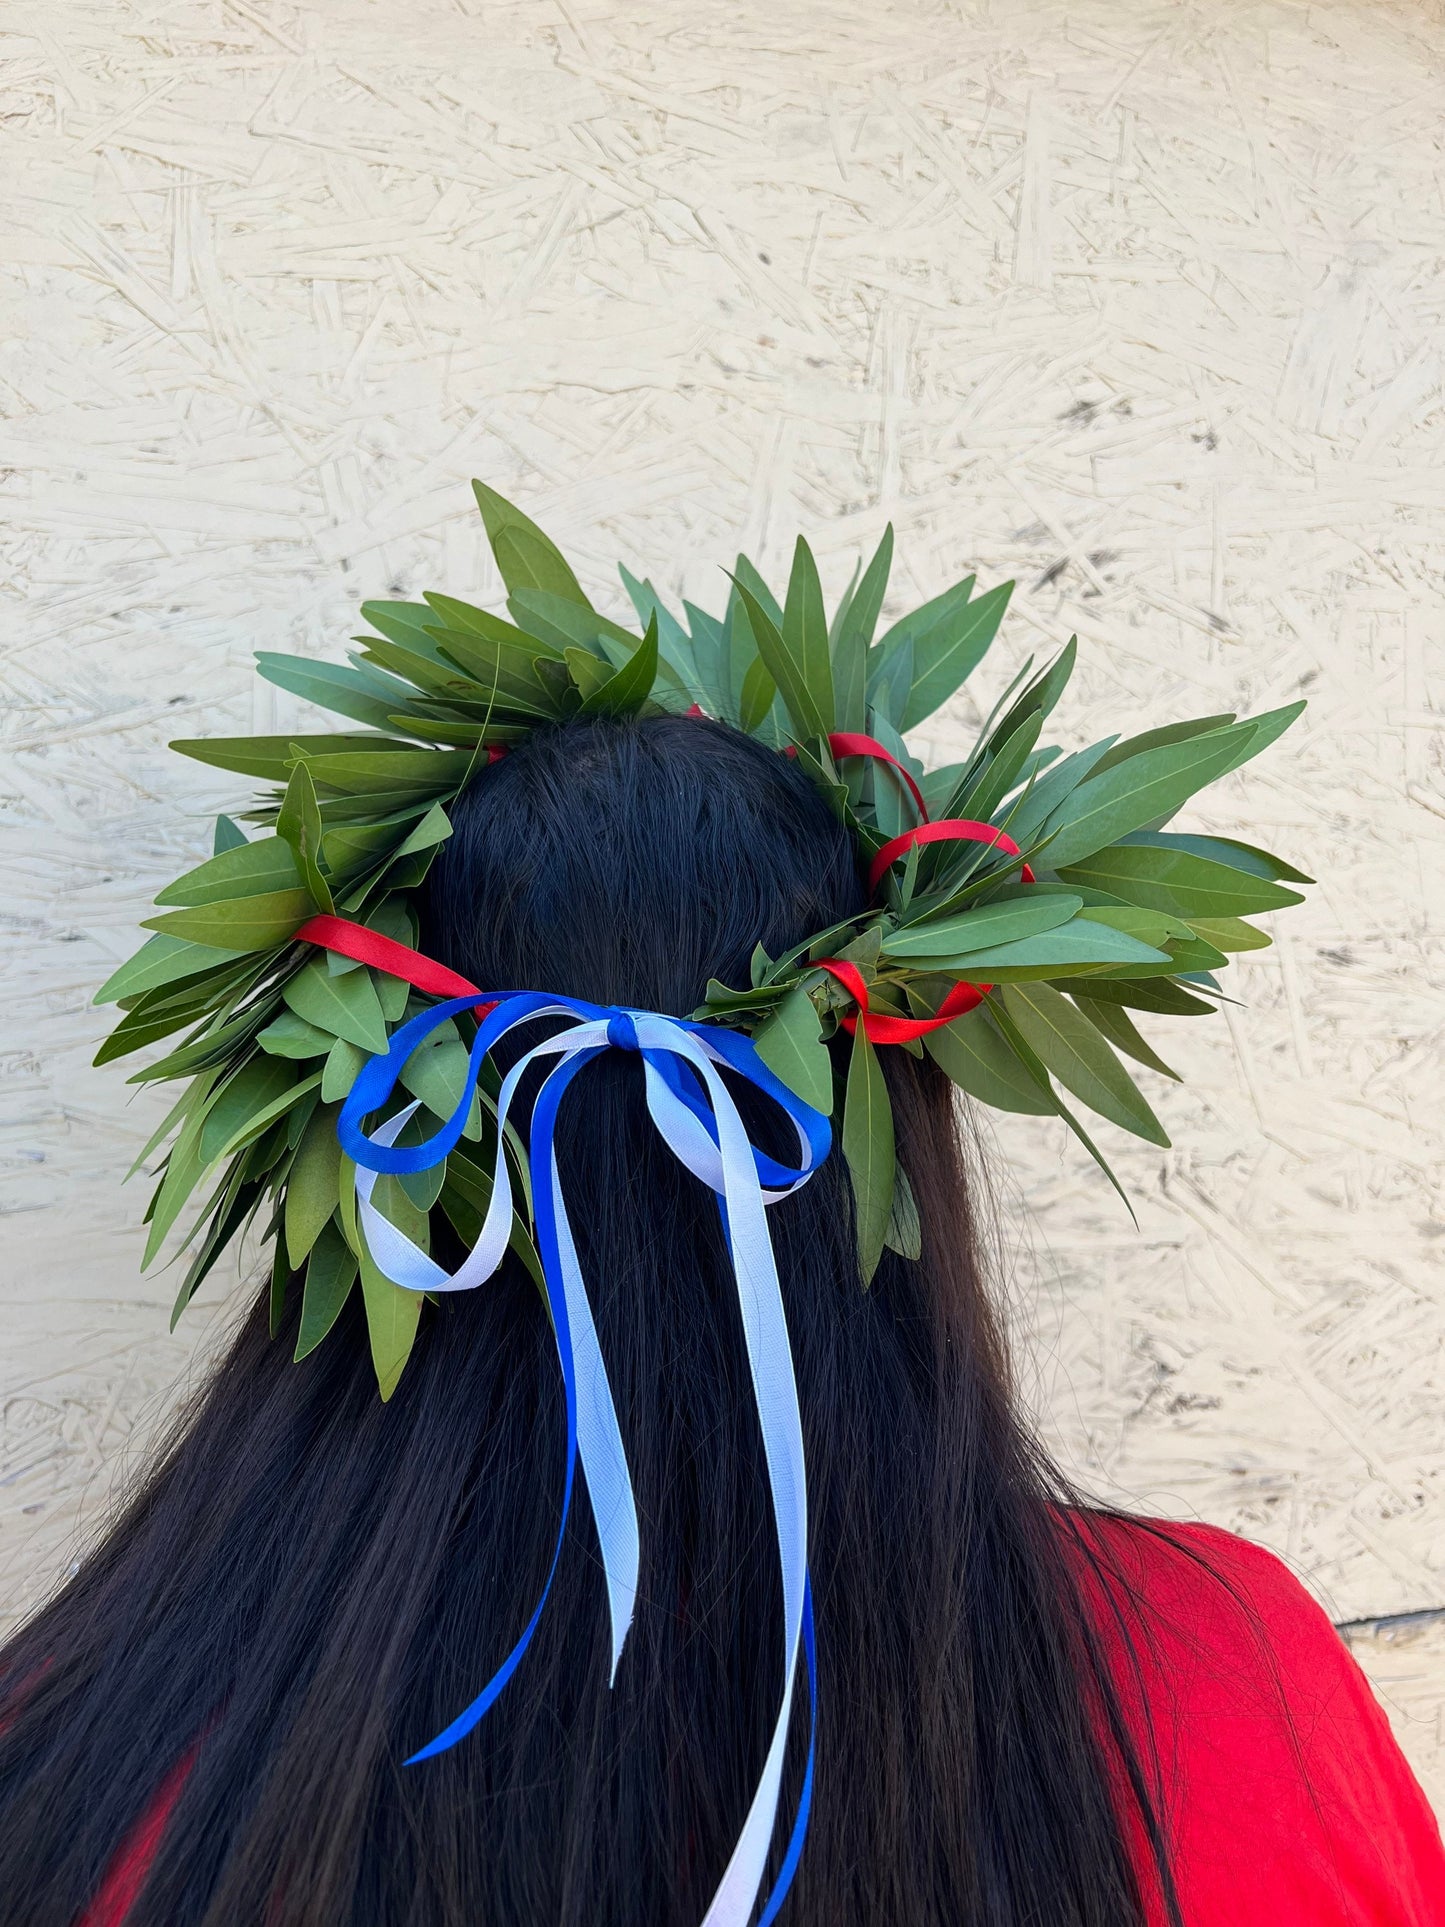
x: 1135, y: 300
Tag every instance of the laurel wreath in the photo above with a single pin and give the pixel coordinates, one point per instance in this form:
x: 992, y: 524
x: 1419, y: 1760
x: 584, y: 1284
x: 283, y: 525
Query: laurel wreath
x: 1120, y: 916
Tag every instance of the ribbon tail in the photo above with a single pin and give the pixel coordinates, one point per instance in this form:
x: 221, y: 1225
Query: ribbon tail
x: 794, y: 1854
x: 770, y: 1362
x: 594, y: 1416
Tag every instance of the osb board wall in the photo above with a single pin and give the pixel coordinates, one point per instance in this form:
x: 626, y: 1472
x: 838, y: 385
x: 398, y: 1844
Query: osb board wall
x: 1137, y: 303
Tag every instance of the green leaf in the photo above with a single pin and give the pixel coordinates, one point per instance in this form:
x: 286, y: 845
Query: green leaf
x: 791, y: 1044
x: 228, y: 836
x: 1224, y: 849
x: 160, y: 961
x: 1158, y: 994
x: 905, y: 1230
x: 511, y: 678
x: 994, y: 924
x: 270, y: 757
x: 972, y: 1052
x: 1264, y: 730
x: 183, y: 1173
x: 748, y: 577
x: 245, y: 870
x: 526, y: 557
x: 893, y: 807
x: 1158, y: 738
x: 259, y: 1121
x: 346, y: 1006
x: 1230, y: 933
x: 1190, y: 956
x: 788, y: 674
x: 437, y: 1074
x: 238, y: 1200
x: 280, y: 1279
x: 392, y: 1316
x: 624, y: 693
x: 934, y: 615
x: 868, y: 1149
x: 423, y: 1188
x: 998, y: 773
x: 588, y: 673
x: 692, y: 657
x: 421, y: 671
x: 330, y: 1274
x: 298, y: 825
x: 1076, y: 1052
x: 1031, y: 1062
x: 1125, y: 798
x: 890, y: 681
x: 1174, y: 880
x: 759, y: 690
x: 214, y: 1045
x: 393, y: 774
x: 160, y: 1012
x: 342, y: 1068
x: 254, y: 1086
x: 192, y: 1098
x: 805, y: 633
x: 524, y: 645
x: 947, y: 652
x: 1121, y: 1032
x: 1080, y: 944
x: 313, y: 1184
x: 391, y: 994
x: 854, y: 636
x: 240, y: 924
x: 1057, y: 783
x: 291, y: 1036
x: 330, y: 685
x: 435, y: 827
x: 405, y: 624
x: 567, y: 624
x: 1039, y: 697
x: 1156, y: 927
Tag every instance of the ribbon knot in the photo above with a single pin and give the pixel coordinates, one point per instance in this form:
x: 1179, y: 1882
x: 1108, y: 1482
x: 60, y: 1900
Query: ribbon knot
x: 621, y: 1031
x: 697, y: 1118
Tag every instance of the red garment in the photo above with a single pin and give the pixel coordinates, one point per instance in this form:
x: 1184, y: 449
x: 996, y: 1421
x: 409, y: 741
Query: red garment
x: 1287, y: 1800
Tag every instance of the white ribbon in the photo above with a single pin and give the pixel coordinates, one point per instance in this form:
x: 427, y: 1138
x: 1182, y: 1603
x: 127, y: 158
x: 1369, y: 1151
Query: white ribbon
x: 728, y: 1167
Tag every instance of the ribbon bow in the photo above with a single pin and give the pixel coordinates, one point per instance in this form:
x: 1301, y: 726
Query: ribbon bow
x: 699, y: 1122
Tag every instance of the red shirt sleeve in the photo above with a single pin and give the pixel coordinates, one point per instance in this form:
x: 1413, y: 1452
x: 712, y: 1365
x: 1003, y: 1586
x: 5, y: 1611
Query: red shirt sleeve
x: 1286, y: 1799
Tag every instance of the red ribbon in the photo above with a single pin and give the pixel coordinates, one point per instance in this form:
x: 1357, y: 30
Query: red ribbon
x: 878, y: 1026
x: 365, y: 946
x: 948, y: 829
x: 845, y: 742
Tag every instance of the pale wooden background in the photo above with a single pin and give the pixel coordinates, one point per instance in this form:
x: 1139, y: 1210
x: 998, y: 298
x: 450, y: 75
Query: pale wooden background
x: 1139, y: 302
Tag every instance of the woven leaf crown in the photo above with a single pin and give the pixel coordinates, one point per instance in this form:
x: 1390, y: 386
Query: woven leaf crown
x: 1065, y: 901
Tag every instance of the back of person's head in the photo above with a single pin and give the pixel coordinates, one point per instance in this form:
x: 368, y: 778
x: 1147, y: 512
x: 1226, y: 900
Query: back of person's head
x: 311, y: 1583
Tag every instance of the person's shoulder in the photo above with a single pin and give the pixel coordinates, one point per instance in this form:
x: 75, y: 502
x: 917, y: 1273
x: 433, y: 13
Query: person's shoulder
x: 1222, y: 1620
x: 1184, y: 1572
x: 1269, y: 1734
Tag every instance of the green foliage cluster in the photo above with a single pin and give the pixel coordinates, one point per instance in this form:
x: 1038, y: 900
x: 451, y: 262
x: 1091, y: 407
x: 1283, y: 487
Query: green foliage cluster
x: 1124, y: 915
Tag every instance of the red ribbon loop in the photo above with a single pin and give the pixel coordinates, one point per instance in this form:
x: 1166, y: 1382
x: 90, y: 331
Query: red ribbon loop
x: 948, y: 829
x: 878, y: 1026
x: 365, y: 946
x: 844, y: 742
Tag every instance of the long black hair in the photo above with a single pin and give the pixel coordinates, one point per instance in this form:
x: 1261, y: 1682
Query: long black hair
x: 309, y: 1584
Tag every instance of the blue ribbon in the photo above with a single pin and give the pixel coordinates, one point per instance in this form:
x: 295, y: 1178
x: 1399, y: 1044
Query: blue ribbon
x: 697, y: 1118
